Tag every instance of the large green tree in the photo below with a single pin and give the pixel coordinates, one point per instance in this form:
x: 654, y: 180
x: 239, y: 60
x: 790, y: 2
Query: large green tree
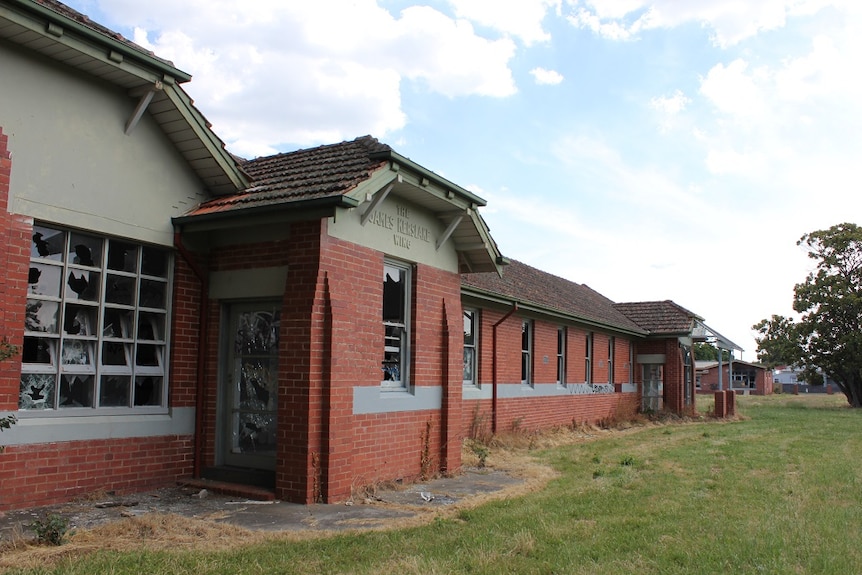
x: 828, y: 333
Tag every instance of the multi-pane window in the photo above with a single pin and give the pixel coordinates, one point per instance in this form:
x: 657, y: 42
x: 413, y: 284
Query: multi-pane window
x: 631, y: 362
x: 588, y: 357
x: 526, y: 352
x: 396, y: 324
x: 611, y: 360
x: 470, y: 341
x: 96, y: 323
x: 561, y: 355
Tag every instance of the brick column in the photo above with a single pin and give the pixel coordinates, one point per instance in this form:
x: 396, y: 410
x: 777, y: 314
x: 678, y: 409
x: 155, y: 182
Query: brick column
x: 15, y: 237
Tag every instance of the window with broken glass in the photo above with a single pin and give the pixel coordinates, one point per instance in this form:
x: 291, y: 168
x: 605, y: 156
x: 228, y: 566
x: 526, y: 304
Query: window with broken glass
x: 527, y: 352
x: 396, y: 325
x: 96, y: 321
x: 470, y: 341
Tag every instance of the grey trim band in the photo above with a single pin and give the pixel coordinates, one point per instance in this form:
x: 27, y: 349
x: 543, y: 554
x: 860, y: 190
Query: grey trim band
x: 379, y: 400
x: 36, y: 430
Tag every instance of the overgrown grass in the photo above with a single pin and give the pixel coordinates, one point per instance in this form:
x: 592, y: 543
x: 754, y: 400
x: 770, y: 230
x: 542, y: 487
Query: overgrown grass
x: 776, y: 492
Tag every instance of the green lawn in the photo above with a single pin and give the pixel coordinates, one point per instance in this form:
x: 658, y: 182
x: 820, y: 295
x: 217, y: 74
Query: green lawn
x: 778, y: 492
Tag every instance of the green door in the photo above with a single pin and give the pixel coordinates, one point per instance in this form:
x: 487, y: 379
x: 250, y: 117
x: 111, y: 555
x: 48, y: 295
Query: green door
x: 250, y: 385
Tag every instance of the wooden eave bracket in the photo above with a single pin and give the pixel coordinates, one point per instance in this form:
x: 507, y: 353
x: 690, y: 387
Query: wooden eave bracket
x: 378, y: 198
x: 450, y: 229
x: 145, y: 94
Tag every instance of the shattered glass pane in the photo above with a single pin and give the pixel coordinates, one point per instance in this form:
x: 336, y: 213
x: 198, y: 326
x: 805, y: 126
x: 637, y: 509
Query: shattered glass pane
x: 151, y: 326
x: 117, y: 323
x: 44, y: 279
x: 115, y: 353
x: 41, y: 350
x: 120, y: 290
x: 154, y: 262
x: 148, y: 391
x: 148, y: 355
x: 114, y: 391
x: 85, y: 250
x: 48, y: 244
x: 258, y: 385
x: 255, y: 433
x: 152, y: 294
x: 122, y: 256
x: 41, y: 316
x: 80, y: 319
x: 76, y: 391
x: 37, y: 391
x: 83, y: 285
x: 257, y: 333
x: 77, y: 352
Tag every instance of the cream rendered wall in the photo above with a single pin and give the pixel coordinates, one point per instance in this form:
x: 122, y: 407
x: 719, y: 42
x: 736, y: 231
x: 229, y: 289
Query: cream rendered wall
x: 399, y: 229
x: 71, y: 162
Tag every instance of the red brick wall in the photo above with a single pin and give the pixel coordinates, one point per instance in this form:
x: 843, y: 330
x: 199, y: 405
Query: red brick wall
x: 15, y: 233
x: 46, y: 473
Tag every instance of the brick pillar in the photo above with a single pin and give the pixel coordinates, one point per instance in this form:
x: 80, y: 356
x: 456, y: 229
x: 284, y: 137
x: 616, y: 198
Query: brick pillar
x: 720, y: 404
x: 15, y: 237
x: 731, y: 402
x: 453, y: 381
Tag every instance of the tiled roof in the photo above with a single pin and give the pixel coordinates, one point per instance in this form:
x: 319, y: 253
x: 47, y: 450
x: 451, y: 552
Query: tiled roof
x: 310, y: 174
x: 528, y: 285
x: 659, y: 317
x: 84, y: 20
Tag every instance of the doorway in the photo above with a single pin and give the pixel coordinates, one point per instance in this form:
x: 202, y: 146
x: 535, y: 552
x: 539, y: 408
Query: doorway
x: 653, y: 387
x: 249, y: 386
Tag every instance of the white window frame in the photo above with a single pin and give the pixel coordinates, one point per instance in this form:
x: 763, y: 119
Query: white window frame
x: 471, y: 347
x: 611, y: 350
x: 526, y: 352
x: 562, y: 344
x: 395, y: 364
x: 76, y: 338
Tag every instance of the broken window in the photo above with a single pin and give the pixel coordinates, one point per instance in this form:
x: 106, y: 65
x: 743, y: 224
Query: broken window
x: 95, y: 323
x: 396, y: 325
x: 470, y: 341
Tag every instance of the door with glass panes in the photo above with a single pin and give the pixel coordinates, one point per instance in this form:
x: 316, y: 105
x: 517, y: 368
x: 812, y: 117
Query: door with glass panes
x: 250, y: 385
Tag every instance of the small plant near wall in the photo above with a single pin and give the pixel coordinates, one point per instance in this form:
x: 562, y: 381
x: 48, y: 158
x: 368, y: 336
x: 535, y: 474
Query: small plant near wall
x: 7, y: 350
x: 51, y: 529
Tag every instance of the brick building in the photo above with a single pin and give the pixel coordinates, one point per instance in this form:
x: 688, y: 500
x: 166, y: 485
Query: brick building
x: 310, y: 322
x: 753, y: 378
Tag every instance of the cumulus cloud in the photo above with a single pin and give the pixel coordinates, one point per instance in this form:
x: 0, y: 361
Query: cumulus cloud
x: 546, y: 77
x: 521, y: 19
x: 310, y: 72
x: 729, y: 22
x: 671, y: 105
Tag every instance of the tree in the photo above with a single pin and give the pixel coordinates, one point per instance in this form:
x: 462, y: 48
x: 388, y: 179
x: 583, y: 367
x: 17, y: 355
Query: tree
x: 708, y: 352
x: 828, y: 333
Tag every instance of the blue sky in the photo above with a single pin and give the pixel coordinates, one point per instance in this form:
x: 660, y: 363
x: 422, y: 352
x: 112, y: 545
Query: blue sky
x: 649, y: 149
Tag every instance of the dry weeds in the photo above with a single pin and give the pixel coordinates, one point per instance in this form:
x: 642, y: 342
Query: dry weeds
x: 509, y: 452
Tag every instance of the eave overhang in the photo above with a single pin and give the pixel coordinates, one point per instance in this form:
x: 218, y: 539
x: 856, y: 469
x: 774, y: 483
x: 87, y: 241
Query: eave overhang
x: 455, y: 207
x: 61, y: 38
x: 301, y: 210
x: 488, y: 297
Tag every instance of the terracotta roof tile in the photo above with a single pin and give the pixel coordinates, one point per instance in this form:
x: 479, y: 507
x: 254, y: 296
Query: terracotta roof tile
x: 526, y: 284
x: 659, y: 317
x: 309, y: 174
x: 84, y: 20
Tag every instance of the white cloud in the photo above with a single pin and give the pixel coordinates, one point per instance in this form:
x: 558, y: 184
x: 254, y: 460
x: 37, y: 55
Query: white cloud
x: 519, y: 18
x: 671, y: 105
x: 315, y: 72
x: 730, y: 22
x: 546, y: 77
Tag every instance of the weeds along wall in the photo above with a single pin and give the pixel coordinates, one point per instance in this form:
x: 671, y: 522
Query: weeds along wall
x: 543, y: 401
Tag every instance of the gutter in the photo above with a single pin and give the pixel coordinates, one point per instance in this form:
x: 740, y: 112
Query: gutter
x: 494, y: 365
x: 203, y: 327
x: 101, y: 38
